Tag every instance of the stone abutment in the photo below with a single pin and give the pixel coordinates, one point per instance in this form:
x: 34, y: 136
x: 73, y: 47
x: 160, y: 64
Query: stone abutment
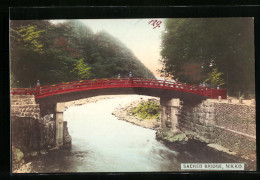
x: 229, y: 125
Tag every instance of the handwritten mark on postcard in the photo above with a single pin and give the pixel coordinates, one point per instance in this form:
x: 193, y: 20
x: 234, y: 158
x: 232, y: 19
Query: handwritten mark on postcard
x: 155, y: 23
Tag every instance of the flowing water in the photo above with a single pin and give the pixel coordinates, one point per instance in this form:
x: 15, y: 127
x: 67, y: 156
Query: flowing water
x: 102, y: 143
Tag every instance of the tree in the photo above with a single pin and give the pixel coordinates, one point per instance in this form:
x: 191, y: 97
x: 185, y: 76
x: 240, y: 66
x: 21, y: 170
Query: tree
x: 35, y: 55
x: 29, y: 35
x: 223, y: 43
x: 69, y: 51
x: 81, y: 69
x: 192, y: 72
x: 215, y: 78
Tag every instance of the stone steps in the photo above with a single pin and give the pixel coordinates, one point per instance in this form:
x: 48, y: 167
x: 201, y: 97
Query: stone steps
x: 25, y: 101
x: 25, y: 108
x: 27, y: 114
x: 21, y: 96
x: 22, y: 99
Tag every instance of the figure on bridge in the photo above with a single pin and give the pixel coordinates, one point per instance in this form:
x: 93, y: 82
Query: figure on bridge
x: 130, y: 74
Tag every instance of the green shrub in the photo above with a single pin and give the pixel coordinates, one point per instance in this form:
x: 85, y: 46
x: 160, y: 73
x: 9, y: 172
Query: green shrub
x: 147, y: 110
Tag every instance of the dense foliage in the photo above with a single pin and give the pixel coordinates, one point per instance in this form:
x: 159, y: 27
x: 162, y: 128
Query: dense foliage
x: 56, y: 53
x: 217, y: 50
x: 147, y: 110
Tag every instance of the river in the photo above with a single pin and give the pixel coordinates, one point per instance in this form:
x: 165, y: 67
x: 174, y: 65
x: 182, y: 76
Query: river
x: 102, y: 143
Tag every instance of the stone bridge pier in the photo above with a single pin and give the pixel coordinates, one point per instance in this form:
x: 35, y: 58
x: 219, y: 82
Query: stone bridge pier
x: 170, y: 112
x: 59, y: 109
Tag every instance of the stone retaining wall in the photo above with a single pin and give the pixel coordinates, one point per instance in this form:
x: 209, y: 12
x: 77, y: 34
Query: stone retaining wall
x: 236, y: 117
x: 31, y: 134
x: 229, y: 125
x: 24, y: 106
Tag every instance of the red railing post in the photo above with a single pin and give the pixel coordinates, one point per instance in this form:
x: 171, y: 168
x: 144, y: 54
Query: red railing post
x: 204, y: 91
x: 12, y: 91
x: 131, y: 81
x: 38, y: 88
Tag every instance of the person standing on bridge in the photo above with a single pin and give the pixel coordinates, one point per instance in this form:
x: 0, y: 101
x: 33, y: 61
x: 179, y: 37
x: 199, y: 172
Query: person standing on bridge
x: 131, y: 78
x: 130, y: 74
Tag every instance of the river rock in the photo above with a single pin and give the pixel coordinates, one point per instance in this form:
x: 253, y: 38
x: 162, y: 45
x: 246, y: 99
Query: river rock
x: 34, y: 153
x: 168, y: 135
x: 17, y: 155
x: 43, y: 152
x: 25, y: 134
x: 47, y: 132
x: 17, y: 158
x: 66, y: 136
x: 26, y: 168
x: 178, y: 138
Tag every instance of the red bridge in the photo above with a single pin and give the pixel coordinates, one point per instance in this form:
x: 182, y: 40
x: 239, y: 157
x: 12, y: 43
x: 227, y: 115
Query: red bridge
x: 93, y: 84
x: 51, y: 98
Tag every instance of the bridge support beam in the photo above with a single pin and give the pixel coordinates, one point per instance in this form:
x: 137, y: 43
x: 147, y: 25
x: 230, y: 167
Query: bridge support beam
x: 59, y: 124
x: 173, y: 105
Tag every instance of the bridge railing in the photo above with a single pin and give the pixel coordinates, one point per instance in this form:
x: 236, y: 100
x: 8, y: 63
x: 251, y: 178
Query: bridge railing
x: 117, y: 83
x: 215, y: 93
x: 169, y: 85
x: 84, y: 85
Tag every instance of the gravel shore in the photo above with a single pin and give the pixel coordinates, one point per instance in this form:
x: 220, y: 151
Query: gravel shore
x: 123, y: 113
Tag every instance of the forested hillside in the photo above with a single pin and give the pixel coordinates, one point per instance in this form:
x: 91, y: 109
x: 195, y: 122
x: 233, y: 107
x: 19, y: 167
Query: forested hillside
x: 70, y: 51
x: 217, y: 51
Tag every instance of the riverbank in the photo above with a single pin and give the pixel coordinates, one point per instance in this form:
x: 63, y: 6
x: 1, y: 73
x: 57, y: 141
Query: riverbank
x: 166, y: 135
x: 90, y: 100
x: 124, y: 113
